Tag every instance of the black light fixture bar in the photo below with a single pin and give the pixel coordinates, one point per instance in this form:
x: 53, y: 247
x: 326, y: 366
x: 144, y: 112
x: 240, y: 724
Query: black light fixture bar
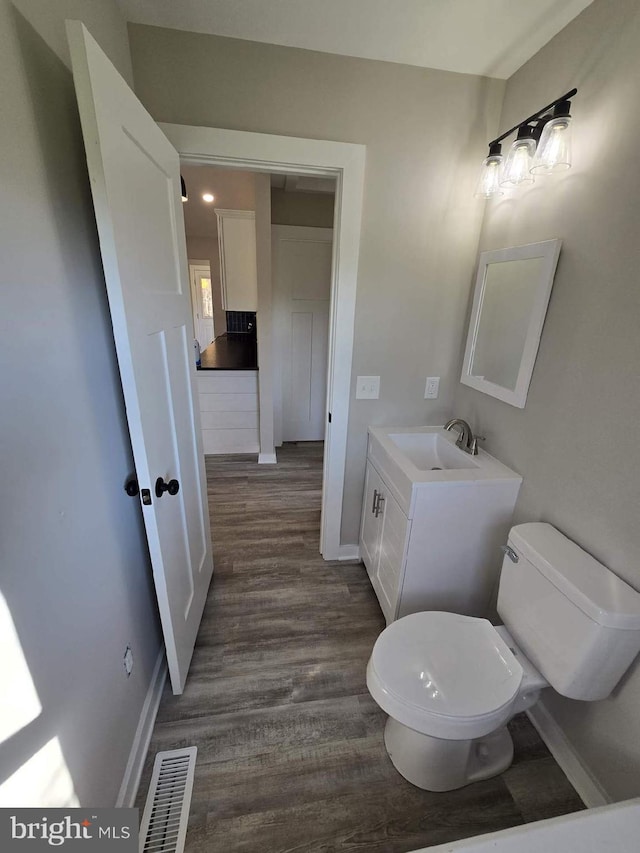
x: 533, y: 117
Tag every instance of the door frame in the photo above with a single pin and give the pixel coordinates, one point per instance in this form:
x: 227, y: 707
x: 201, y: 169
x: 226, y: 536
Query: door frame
x: 344, y: 161
x: 196, y: 299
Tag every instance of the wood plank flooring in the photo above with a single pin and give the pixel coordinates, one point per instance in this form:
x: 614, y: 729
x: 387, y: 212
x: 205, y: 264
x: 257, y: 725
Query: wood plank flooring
x: 290, y: 744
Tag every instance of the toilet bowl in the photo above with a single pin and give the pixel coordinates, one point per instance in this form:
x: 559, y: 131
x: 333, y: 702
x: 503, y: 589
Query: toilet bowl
x: 459, y: 682
x: 451, y: 683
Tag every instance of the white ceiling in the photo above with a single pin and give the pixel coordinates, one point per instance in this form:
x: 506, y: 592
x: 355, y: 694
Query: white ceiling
x: 491, y: 37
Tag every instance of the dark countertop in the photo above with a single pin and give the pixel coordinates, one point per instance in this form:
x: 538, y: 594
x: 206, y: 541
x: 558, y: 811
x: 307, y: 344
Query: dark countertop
x: 230, y: 352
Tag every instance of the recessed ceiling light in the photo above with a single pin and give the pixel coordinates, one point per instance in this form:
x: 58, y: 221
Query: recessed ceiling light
x: 207, y: 197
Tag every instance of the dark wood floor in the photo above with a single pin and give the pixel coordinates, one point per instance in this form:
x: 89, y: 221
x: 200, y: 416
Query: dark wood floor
x: 290, y: 748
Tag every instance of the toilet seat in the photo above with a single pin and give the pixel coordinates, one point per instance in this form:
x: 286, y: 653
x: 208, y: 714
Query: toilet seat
x: 444, y: 675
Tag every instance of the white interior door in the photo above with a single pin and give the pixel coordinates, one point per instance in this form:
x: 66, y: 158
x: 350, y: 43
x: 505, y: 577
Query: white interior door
x: 134, y: 174
x: 301, y: 259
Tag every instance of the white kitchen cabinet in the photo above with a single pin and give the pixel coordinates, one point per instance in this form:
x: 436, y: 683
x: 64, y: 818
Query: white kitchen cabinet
x: 237, y: 247
x: 438, y: 550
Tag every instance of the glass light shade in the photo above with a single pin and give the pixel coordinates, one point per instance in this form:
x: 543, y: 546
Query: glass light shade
x: 489, y: 181
x: 554, y: 149
x: 517, y: 169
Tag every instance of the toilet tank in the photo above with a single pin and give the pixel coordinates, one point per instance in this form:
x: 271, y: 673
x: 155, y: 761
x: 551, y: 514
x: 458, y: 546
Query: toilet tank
x: 576, y: 621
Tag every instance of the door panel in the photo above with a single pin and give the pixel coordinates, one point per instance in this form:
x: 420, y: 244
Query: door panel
x: 134, y: 174
x: 370, y: 528
x: 302, y: 288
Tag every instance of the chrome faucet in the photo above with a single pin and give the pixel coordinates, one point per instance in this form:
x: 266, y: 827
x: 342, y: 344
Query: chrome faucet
x: 466, y: 441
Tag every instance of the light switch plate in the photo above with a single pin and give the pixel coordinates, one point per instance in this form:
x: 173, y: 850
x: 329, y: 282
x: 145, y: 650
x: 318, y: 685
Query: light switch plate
x: 367, y: 387
x: 432, y: 388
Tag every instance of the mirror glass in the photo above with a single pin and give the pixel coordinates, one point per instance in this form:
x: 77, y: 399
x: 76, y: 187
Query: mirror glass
x: 510, y: 301
x: 509, y: 292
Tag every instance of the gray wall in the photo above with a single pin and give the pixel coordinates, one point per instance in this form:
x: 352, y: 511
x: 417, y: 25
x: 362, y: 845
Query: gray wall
x: 424, y: 131
x: 313, y: 210
x: 74, y: 562
x: 576, y: 442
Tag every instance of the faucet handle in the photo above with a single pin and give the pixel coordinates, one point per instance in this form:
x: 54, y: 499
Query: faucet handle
x: 474, y: 443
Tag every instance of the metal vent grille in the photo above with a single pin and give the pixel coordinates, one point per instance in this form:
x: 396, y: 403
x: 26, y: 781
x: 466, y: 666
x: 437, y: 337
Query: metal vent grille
x: 166, y: 812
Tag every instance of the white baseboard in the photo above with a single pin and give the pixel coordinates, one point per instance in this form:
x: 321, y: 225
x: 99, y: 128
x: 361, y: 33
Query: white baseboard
x: 267, y: 459
x: 131, y: 779
x: 589, y: 790
x: 349, y: 552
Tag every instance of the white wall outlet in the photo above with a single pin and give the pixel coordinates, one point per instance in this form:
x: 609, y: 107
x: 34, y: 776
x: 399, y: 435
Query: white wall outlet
x: 367, y: 387
x: 431, y: 388
x: 128, y: 660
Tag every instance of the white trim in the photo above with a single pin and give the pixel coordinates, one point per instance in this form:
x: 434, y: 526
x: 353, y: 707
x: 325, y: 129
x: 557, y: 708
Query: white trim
x: 261, y: 152
x: 349, y: 552
x: 588, y: 788
x: 267, y: 459
x: 223, y: 212
x: 131, y: 779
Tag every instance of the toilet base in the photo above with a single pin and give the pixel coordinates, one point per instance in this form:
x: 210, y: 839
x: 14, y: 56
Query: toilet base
x: 434, y: 764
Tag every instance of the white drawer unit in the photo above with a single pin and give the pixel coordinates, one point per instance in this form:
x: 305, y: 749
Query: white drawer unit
x: 229, y: 411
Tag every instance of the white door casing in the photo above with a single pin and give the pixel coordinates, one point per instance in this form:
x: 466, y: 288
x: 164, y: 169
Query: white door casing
x: 301, y: 263
x: 134, y: 173
x: 345, y: 162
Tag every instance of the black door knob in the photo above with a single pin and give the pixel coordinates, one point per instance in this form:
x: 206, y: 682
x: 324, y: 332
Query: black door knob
x: 173, y: 487
x: 131, y: 487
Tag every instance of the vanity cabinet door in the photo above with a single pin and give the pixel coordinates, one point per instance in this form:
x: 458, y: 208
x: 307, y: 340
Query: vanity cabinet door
x: 384, y: 535
x: 371, y: 526
x: 393, y: 538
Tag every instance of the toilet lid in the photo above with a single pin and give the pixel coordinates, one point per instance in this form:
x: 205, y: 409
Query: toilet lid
x: 446, y: 664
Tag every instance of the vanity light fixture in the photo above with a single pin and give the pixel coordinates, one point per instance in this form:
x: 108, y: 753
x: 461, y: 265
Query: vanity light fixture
x: 542, y: 146
x: 208, y: 197
x: 183, y: 187
x: 489, y: 180
x: 517, y: 169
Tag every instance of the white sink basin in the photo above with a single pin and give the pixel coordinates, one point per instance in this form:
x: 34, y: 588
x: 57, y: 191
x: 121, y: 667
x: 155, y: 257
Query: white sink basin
x: 431, y: 451
x: 410, y: 457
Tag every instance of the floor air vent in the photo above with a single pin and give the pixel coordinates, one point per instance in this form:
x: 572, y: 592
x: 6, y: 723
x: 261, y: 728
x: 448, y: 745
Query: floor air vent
x: 166, y: 812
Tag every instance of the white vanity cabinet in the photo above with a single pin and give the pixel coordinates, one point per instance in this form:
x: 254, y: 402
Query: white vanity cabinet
x: 237, y: 247
x: 434, y: 545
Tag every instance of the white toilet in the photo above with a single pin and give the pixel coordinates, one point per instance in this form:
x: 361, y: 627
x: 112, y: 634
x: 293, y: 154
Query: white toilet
x: 451, y: 683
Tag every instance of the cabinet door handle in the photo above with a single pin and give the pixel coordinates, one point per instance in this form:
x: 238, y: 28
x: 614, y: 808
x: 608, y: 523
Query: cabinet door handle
x: 376, y: 494
x: 378, y: 507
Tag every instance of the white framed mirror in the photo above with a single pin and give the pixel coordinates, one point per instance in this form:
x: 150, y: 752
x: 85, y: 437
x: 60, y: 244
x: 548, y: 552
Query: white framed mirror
x: 510, y: 301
